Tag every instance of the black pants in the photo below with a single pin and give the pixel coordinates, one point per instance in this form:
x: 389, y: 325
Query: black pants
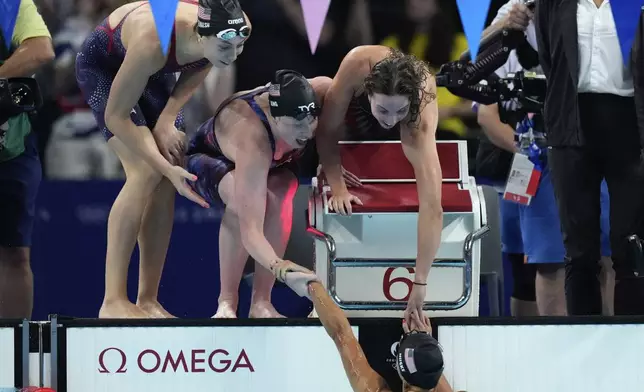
x: 611, y: 151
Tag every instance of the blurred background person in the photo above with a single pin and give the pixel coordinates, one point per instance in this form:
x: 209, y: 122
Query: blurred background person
x: 427, y: 32
x: 20, y: 171
x: 281, y: 41
x: 594, y: 134
x: 76, y: 149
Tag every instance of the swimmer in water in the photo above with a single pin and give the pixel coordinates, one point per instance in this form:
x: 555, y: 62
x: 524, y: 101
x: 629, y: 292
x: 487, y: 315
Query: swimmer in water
x: 131, y: 87
x: 419, y: 359
x: 241, y: 157
x: 380, y: 93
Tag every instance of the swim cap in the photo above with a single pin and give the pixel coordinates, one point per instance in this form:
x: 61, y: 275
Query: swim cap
x: 221, y: 18
x: 420, y: 360
x: 291, y: 95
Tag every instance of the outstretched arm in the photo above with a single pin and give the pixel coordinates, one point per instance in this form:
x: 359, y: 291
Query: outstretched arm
x: 361, y: 376
x: 331, y: 125
x: 252, y: 164
x: 419, y: 147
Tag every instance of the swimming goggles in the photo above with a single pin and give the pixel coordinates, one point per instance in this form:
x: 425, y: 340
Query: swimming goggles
x: 230, y: 34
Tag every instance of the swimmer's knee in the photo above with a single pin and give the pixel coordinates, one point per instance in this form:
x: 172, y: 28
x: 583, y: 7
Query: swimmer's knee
x: 282, y: 183
x: 144, y: 178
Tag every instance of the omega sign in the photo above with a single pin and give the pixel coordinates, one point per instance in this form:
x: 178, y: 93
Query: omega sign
x: 115, y: 360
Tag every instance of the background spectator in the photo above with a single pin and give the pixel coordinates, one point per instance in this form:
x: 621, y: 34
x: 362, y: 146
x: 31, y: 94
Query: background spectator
x: 20, y: 171
x: 427, y: 32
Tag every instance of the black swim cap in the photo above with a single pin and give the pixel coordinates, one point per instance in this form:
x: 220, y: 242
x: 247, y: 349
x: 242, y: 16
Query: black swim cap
x: 222, y: 18
x: 291, y: 95
x: 420, y: 360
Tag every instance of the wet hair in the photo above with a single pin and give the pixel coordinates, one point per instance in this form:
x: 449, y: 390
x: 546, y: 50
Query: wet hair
x: 401, y: 74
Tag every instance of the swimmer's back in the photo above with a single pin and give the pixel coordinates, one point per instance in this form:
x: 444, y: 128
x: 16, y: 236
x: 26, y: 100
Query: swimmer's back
x: 216, y: 135
x: 238, y: 115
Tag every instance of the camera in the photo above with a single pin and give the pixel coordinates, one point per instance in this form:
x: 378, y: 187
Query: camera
x: 18, y: 95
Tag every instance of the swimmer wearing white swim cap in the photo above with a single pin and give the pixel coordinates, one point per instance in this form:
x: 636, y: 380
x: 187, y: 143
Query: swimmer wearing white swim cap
x: 131, y: 86
x: 419, y: 359
x: 380, y: 93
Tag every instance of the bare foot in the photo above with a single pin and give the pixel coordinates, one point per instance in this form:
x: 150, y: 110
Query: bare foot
x: 263, y: 310
x: 154, y: 309
x: 227, y: 310
x: 121, y: 309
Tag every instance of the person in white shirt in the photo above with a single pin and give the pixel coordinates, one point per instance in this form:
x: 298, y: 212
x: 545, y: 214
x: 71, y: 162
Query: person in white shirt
x: 593, y: 135
x: 530, y: 235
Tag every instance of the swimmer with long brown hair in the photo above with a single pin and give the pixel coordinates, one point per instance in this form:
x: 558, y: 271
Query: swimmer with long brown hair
x: 380, y: 93
x: 419, y: 358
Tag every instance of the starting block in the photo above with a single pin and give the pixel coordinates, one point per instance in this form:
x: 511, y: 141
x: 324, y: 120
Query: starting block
x: 367, y: 260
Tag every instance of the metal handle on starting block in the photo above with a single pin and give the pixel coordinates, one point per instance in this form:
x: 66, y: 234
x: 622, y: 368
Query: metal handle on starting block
x: 324, y: 237
x: 332, y: 263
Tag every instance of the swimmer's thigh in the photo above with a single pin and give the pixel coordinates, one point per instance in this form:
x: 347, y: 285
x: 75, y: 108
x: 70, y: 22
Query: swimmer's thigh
x: 511, y: 240
x: 214, y: 178
x: 541, y: 227
x: 155, y: 97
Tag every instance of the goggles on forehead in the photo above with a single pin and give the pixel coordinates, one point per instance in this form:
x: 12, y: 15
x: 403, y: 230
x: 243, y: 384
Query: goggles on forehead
x: 230, y: 34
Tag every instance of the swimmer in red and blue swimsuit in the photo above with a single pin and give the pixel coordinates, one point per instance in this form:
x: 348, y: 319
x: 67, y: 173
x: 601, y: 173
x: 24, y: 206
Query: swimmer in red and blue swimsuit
x: 380, y: 93
x: 131, y: 87
x: 242, y: 158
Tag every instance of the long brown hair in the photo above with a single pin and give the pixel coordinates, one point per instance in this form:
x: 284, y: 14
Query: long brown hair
x: 402, y: 74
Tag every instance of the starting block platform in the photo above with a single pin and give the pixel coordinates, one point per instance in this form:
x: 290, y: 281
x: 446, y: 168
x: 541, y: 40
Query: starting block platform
x: 571, y: 354
x: 366, y: 260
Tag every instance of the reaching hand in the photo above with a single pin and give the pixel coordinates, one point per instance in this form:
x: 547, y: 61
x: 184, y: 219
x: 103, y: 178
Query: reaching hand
x: 299, y: 282
x: 341, y: 203
x: 170, y: 141
x: 415, y: 303
x: 280, y: 268
x: 518, y: 18
x: 418, y: 323
x: 178, y: 176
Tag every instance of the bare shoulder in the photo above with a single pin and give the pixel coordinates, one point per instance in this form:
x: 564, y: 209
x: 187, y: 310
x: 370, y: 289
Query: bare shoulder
x: 429, y: 88
x: 239, y: 124
x: 321, y: 85
x: 368, y: 52
x: 358, y: 59
x: 118, y: 14
x: 139, y: 35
